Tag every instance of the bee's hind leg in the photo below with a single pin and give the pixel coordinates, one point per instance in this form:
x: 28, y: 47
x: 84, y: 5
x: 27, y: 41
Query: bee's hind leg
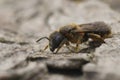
x: 96, y: 37
x: 97, y: 40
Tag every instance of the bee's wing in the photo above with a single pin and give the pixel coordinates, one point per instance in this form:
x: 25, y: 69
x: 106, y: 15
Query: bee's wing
x: 85, y: 28
x: 93, y: 27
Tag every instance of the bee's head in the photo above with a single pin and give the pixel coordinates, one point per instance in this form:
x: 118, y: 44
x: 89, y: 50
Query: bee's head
x: 55, y: 40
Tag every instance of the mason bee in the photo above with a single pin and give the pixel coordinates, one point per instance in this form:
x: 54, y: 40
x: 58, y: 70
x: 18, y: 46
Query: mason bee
x: 77, y: 34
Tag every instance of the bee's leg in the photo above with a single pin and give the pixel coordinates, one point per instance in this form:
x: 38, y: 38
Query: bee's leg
x: 69, y: 46
x: 77, y: 48
x: 96, y: 37
x: 61, y: 44
x: 44, y: 48
x: 72, y: 48
x: 58, y: 48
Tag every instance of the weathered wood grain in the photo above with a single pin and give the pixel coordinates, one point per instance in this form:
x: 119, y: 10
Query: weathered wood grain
x: 22, y: 22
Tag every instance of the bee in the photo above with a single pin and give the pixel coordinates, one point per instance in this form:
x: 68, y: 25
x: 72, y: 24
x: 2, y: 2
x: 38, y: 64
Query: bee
x: 77, y: 34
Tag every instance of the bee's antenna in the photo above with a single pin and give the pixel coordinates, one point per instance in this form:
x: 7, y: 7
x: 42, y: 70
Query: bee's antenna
x: 43, y: 38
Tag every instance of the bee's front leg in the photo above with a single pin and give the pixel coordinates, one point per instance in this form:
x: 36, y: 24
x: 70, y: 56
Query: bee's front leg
x: 44, y: 48
x: 60, y: 46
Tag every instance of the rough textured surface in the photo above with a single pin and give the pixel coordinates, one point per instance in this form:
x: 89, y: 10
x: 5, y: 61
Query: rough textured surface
x: 22, y: 22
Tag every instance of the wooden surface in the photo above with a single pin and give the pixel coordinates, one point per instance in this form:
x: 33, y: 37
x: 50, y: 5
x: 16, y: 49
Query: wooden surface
x: 22, y: 22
